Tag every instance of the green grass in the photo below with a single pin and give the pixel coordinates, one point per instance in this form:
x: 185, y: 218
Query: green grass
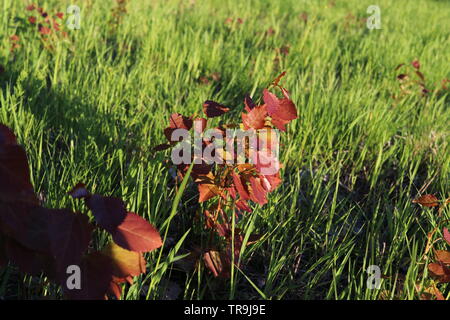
x: 92, y: 109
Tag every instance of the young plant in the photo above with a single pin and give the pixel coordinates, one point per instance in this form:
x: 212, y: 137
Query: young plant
x: 229, y: 179
x: 440, y: 268
x: 412, y: 81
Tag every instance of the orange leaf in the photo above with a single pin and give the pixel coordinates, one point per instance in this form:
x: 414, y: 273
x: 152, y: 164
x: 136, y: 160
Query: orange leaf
x: 437, y: 269
x: 427, y: 200
x: 446, y: 235
x: 137, y: 234
x: 207, y: 191
x: 125, y: 263
x: 443, y: 256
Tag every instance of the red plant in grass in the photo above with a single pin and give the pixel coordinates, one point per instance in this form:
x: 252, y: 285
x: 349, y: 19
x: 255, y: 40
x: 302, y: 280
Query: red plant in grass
x: 47, y: 27
x: 412, y: 81
x: 52, y: 241
x: 440, y: 268
x: 15, y: 42
x: 118, y: 13
x: 227, y: 185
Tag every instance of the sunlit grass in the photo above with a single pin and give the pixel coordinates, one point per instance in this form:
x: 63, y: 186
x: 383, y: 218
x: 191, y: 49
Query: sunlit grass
x: 92, y: 110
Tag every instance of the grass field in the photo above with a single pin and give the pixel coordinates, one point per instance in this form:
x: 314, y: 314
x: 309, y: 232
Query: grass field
x: 92, y: 108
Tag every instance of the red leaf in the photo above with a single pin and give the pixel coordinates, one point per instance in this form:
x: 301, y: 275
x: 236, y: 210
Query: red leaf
x: 7, y: 137
x: 137, y: 234
x: 213, y: 109
x: 437, y: 269
x: 287, y: 110
x: 256, y: 118
x: 280, y: 123
x: 271, y: 181
x: 14, y: 38
x: 242, y: 206
x: 109, y: 212
x: 416, y: 64
x: 443, y: 256
x: 207, y: 191
x: 223, y: 229
x: 29, y: 261
x: 427, y: 200
x: 210, y: 220
x: 178, y: 121
x: 240, y: 188
x: 216, y: 262
x: 446, y: 235
x: 258, y: 194
x: 26, y: 225
x: 282, y: 111
x: 45, y: 30
x: 70, y: 234
x: 15, y: 174
x: 438, y: 294
x: 232, y: 192
x: 271, y: 101
x: 115, y: 289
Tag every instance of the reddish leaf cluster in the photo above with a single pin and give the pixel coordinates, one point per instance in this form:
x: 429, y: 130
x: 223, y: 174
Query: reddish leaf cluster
x: 117, y: 14
x: 411, y: 82
x: 50, y: 241
x: 14, y: 39
x: 213, y: 77
x: 231, y: 21
x: 230, y: 186
x: 46, y: 25
x: 440, y: 269
x: 48, y: 28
